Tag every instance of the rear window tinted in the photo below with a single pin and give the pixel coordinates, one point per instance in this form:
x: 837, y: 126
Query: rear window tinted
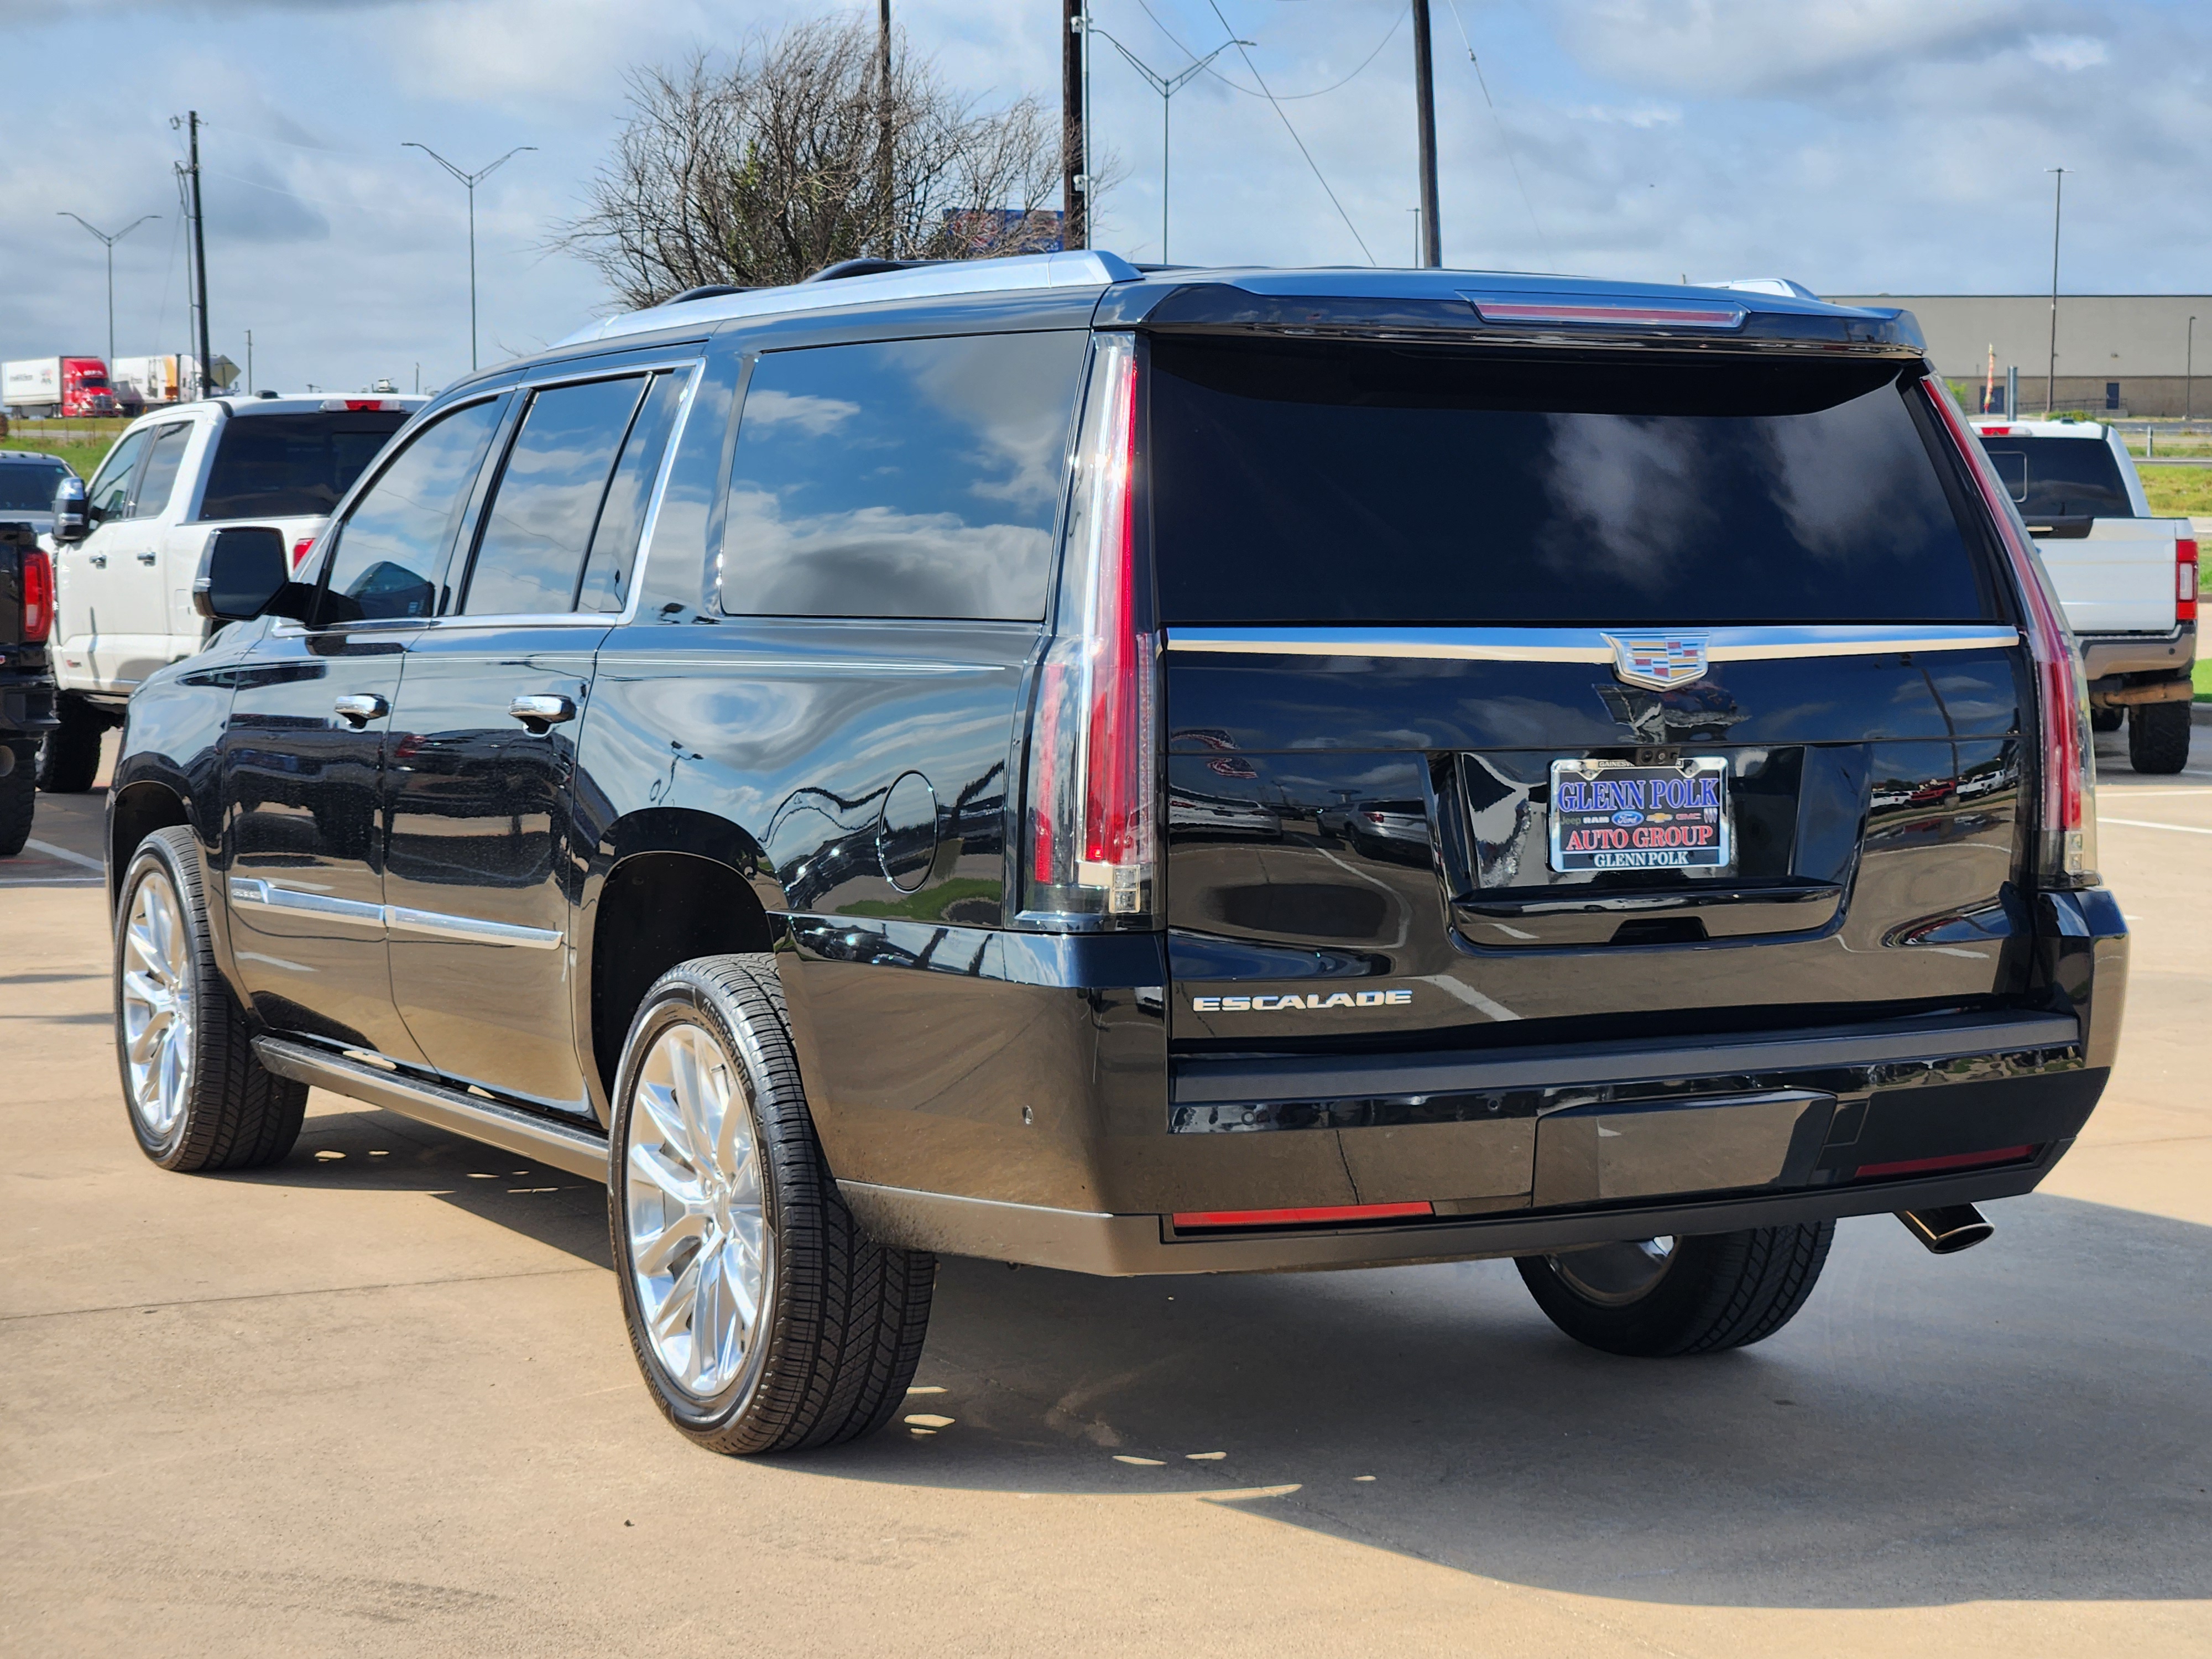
x: 291, y: 465
x: 2061, y: 477
x: 919, y: 478
x: 1358, y: 483
x: 29, y: 486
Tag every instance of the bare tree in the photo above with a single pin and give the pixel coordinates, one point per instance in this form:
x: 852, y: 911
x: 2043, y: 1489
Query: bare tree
x: 774, y: 167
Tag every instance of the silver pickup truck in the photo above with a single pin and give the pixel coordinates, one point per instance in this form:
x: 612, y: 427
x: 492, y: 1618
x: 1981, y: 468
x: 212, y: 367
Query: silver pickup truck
x: 2128, y: 580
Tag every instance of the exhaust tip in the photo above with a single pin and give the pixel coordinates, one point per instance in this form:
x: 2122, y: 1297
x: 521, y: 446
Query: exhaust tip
x: 1947, y: 1231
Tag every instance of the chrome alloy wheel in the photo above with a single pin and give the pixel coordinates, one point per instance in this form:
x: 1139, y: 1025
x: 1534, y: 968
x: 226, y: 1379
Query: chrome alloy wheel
x: 702, y: 1257
x: 1615, y: 1275
x: 157, y: 1008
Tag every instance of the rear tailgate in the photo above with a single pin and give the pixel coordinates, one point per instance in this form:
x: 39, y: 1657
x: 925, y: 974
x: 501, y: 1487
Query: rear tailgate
x: 1554, y: 701
x: 2118, y: 579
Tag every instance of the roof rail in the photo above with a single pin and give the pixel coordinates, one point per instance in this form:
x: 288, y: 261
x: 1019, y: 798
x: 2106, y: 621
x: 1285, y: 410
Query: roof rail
x: 1084, y: 268
x: 1780, y: 287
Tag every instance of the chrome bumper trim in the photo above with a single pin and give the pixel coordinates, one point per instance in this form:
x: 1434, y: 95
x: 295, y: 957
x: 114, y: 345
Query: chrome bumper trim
x: 1586, y: 644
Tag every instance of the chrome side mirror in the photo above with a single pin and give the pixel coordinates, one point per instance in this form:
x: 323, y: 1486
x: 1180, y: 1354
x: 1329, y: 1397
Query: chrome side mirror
x: 71, y: 523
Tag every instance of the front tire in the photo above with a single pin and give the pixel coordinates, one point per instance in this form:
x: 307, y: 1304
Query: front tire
x: 197, y: 1096
x: 1656, y: 1299
x: 763, y: 1318
x: 69, y: 755
x: 2158, y: 737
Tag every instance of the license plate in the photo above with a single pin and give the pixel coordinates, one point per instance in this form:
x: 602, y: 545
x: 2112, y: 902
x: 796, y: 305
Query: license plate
x: 1615, y: 815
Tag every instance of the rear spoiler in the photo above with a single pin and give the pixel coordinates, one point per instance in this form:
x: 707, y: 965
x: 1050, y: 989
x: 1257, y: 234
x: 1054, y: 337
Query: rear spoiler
x: 1670, y: 319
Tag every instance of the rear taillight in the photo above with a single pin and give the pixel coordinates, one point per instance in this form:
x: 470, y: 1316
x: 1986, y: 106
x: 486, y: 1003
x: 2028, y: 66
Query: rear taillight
x: 37, y: 580
x: 2184, y: 579
x: 2066, y: 823
x: 1091, y: 819
x: 301, y: 549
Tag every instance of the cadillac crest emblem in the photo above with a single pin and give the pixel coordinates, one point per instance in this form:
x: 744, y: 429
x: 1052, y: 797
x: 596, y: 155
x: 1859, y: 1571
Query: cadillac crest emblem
x: 1662, y: 661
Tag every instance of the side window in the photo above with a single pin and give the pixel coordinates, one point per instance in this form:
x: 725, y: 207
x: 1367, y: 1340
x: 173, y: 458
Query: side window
x: 395, y: 538
x: 621, y: 519
x: 539, y: 526
x: 151, y: 499
x: 919, y: 478
x: 110, y: 495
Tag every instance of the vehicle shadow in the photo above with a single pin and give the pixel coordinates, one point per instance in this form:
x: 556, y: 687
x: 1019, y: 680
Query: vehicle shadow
x: 2028, y: 1421
x: 365, y: 1149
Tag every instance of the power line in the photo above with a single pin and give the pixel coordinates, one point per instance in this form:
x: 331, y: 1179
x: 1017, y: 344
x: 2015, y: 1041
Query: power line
x: 1504, y: 138
x: 1285, y: 97
x: 1284, y: 116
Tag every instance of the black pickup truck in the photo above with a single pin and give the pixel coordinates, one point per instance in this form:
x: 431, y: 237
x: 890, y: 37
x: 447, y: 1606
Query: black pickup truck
x: 27, y: 678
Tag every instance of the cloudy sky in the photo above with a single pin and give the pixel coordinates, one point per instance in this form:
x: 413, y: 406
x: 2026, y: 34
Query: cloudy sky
x: 1857, y: 145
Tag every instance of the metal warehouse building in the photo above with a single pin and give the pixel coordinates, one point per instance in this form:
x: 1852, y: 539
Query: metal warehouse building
x: 2125, y: 354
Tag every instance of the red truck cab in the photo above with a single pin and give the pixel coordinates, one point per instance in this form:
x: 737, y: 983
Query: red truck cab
x: 85, y: 390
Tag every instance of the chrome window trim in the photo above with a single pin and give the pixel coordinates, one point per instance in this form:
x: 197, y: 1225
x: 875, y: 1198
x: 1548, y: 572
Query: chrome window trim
x: 1590, y: 645
x: 253, y: 893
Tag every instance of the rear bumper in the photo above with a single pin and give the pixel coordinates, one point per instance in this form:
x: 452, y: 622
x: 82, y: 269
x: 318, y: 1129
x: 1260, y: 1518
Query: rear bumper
x: 1121, y: 1246
x: 26, y: 707
x: 1057, y: 1130
x: 2105, y: 656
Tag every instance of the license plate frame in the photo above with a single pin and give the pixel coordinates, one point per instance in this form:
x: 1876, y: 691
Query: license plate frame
x: 1668, y: 816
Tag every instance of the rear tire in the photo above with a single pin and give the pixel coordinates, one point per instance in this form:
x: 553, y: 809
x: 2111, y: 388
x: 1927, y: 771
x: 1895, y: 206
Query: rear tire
x: 19, y: 802
x: 2107, y: 720
x: 197, y: 1096
x: 718, y: 1196
x: 1719, y: 1291
x: 2158, y: 737
x: 69, y: 757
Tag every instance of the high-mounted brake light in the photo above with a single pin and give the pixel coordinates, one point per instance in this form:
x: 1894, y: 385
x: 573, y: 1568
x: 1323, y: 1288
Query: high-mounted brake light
x: 37, y: 590
x: 2066, y: 850
x: 1092, y: 814
x: 362, y: 405
x: 2185, y: 579
x: 1577, y: 311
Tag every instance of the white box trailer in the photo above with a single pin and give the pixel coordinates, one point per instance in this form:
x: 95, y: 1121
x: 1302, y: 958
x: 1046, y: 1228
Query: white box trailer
x: 155, y: 379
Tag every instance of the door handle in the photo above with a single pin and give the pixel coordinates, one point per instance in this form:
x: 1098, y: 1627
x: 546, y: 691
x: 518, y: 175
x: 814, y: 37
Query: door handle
x: 97, y: 560
x: 147, y: 557
x: 361, y: 708
x: 542, y: 712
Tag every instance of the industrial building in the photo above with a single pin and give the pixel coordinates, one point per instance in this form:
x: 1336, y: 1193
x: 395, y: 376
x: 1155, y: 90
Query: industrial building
x: 2118, y: 354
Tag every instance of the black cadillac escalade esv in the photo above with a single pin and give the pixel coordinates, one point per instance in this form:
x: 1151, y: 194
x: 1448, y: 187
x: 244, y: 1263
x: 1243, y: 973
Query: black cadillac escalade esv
x: 1147, y: 773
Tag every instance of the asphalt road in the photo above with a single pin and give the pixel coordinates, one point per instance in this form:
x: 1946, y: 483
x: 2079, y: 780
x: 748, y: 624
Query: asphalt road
x: 379, y: 1399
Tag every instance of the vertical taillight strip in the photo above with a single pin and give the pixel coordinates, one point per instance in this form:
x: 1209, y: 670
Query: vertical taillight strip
x: 2067, y: 821
x: 38, y: 596
x: 2185, y: 579
x: 1092, y: 821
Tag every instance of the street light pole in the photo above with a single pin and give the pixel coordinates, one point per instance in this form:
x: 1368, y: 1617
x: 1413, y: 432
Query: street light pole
x: 470, y: 181
x: 2188, y: 373
x: 2050, y: 374
x: 1167, y: 86
x: 110, y: 242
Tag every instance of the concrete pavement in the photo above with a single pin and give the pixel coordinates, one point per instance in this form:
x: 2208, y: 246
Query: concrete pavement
x: 380, y: 1399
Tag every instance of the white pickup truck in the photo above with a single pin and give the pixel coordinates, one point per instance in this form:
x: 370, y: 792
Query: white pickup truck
x: 2128, y: 580
x: 123, y: 583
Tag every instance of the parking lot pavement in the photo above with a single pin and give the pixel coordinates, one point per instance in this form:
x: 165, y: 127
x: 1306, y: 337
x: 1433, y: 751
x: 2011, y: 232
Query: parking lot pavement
x: 380, y: 1399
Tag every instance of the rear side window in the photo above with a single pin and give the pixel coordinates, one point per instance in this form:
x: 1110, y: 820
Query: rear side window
x: 394, y: 540
x: 2061, y: 477
x: 539, y: 523
x: 292, y: 465
x: 622, y: 518
x: 917, y: 478
x: 1330, y: 484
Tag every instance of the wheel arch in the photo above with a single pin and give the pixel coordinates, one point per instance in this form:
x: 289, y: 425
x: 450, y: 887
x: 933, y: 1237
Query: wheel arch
x: 136, y: 811
x: 667, y: 884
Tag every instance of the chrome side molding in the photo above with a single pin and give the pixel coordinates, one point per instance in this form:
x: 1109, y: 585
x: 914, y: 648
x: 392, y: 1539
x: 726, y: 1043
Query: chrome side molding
x: 253, y: 893
x: 576, y: 1150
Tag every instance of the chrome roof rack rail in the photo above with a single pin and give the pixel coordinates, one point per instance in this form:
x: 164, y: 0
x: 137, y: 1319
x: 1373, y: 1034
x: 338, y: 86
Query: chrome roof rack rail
x: 1084, y: 268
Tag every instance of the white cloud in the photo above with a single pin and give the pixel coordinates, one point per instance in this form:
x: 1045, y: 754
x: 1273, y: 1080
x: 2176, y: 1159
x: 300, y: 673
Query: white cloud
x: 2067, y: 51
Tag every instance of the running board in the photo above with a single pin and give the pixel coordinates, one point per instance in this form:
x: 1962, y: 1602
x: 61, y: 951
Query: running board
x: 577, y: 1150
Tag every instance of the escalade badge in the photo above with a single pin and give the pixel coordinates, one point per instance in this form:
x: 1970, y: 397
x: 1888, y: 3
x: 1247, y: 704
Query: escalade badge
x: 1661, y: 661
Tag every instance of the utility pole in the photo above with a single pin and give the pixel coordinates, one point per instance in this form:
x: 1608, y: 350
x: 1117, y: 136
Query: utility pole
x: 470, y: 180
x: 1425, y: 107
x: 190, y: 175
x: 1167, y: 86
x: 111, y: 241
x: 888, y: 208
x: 1074, y: 127
x: 2051, y: 375
x: 2188, y: 373
x: 249, y: 363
